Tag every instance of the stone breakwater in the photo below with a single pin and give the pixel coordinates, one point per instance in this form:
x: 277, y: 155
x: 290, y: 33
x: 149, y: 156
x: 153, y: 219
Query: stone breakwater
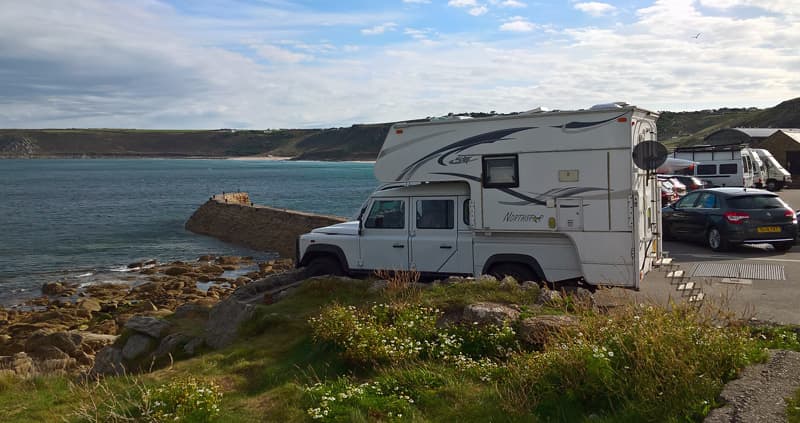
x: 232, y: 217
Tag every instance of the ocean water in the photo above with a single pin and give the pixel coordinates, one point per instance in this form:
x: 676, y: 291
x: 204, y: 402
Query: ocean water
x: 86, y: 220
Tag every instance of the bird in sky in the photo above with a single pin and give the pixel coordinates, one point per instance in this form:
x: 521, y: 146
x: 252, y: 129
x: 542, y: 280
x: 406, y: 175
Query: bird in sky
x: 697, y: 36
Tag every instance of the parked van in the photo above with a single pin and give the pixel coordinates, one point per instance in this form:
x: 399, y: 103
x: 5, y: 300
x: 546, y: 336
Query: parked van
x: 720, y: 165
x: 775, y: 176
x: 542, y: 196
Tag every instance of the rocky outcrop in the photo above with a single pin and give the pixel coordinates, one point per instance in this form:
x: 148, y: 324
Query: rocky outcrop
x: 230, y: 218
x: 490, y: 313
x: 18, y: 146
x: 538, y: 330
x: 225, y: 317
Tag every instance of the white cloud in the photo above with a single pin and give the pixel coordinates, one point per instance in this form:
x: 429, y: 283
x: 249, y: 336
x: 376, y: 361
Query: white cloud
x: 278, y: 54
x: 462, y: 3
x: 513, y: 4
x: 788, y: 7
x: 379, y: 29
x: 595, y: 8
x: 135, y: 64
x: 477, y: 11
x: 517, y: 24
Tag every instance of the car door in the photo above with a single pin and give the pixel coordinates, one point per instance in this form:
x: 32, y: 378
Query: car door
x: 384, y: 235
x: 704, y: 208
x: 434, y: 236
x: 682, y: 214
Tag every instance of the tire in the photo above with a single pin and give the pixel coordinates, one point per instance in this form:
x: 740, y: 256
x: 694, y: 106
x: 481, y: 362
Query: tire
x: 772, y: 185
x: 716, y: 241
x: 324, y: 265
x: 519, y: 272
x: 666, y: 232
x: 782, y: 246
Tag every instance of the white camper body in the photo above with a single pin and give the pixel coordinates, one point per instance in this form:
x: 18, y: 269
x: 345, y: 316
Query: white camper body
x: 548, y: 196
x: 775, y: 176
x: 721, y: 166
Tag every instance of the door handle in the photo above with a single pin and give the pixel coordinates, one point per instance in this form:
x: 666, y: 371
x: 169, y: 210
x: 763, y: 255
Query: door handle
x: 398, y: 246
x: 446, y: 247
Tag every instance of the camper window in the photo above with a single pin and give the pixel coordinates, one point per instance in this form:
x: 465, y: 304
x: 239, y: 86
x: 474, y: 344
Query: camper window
x: 500, y: 171
x: 728, y: 169
x: 465, y: 212
x: 435, y: 214
x: 707, y: 169
x: 387, y: 214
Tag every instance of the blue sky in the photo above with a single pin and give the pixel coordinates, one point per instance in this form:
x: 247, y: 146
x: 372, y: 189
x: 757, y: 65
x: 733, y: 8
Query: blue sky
x: 303, y: 63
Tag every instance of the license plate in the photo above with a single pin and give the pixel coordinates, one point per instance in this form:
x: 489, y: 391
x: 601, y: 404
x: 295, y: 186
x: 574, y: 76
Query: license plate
x: 768, y: 229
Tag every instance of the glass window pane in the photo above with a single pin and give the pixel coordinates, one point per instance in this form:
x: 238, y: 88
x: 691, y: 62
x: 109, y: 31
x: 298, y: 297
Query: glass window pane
x: 707, y: 169
x: 466, y: 212
x: 753, y: 202
x: 500, y: 171
x: 728, y: 169
x: 435, y: 214
x: 387, y: 214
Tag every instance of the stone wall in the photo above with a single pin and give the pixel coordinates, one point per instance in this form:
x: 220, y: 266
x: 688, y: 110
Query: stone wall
x: 232, y: 217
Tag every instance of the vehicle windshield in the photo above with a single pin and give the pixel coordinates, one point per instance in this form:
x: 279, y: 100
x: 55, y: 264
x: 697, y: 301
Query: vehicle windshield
x: 753, y: 202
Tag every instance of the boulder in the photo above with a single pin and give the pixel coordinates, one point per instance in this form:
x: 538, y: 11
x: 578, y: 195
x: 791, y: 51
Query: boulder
x: 136, y: 346
x: 19, y: 365
x: 228, y: 260
x: 149, y: 326
x: 225, y: 317
x: 171, y: 344
x: 40, y: 343
x: 489, y: 313
x: 90, y: 305
x: 211, y: 270
x: 176, y: 270
x: 106, y: 327
x: 548, y: 297
x: 108, y: 361
x: 56, y: 288
x: 192, y: 310
x: 538, y: 330
x: 92, y: 342
x: 193, y: 345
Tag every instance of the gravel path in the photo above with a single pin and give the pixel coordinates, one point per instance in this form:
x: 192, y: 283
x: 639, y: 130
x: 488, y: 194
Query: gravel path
x: 759, y: 394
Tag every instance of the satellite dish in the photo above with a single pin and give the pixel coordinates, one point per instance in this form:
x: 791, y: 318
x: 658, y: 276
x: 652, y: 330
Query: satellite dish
x: 649, y: 155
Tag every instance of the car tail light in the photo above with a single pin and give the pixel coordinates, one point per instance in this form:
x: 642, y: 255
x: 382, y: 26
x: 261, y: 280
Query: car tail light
x: 736, y: 217
x: 792, y: 214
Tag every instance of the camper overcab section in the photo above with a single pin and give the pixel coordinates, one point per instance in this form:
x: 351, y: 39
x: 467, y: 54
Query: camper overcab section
x: 547, y: 196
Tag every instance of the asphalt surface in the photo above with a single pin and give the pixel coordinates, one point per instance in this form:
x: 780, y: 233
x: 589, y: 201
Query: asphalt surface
x: 762, y: 299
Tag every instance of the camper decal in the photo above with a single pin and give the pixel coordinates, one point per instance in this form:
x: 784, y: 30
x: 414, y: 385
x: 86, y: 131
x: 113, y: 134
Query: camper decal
x: 463, y: 159
x: 443, y: 153
x: 523, y: 218
x: 541, y: 198
x: 582, y: 126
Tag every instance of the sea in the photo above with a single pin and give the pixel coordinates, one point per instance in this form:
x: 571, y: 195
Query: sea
x: 85, y: 220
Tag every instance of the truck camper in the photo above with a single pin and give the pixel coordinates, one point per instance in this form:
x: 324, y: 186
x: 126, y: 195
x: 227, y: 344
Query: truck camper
x: 562, y: 196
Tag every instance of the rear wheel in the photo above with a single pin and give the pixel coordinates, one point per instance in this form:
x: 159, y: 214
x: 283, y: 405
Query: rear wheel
x: 772, y: 185
x: 324, y: 265
x: 517, y: 271
x: 716, y: 241
x: 782, y: 246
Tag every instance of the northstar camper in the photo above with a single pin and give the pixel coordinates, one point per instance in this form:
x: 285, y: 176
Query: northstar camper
x: 544, y: 196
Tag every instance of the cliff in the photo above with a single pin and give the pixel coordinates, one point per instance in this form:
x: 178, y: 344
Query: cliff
x: 232, y: 217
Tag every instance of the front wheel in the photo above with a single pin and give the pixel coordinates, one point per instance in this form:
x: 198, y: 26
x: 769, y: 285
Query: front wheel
x: 716, y: 241
x: 324, y: 265
x: 517, y: 271
x: 782, y: 246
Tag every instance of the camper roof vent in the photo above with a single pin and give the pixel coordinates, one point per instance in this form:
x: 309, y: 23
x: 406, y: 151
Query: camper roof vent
x: 614, y: 105
x: 449, y: 117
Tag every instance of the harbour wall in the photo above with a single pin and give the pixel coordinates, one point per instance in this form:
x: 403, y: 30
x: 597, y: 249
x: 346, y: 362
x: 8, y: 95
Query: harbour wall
x: 232, y: 217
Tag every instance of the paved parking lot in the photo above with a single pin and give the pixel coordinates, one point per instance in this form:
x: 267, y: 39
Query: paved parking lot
x: 748, y: 296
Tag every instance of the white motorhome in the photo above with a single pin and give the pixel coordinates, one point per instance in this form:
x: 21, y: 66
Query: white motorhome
x: 543, y: 196
x: 775, y: 176
x: 720, y: 165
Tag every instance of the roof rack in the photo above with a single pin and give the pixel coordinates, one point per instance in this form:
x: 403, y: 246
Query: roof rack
x: 707, y: 147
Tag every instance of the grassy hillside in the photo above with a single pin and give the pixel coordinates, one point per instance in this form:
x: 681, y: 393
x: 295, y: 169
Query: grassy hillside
x: 341, y: 350
x: 358, y: 142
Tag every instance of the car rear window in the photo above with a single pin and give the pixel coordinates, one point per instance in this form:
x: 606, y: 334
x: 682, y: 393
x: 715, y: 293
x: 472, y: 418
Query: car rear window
x: 752, y: 202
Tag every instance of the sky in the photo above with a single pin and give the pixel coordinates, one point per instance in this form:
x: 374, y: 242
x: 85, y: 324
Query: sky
x: 262, y: 64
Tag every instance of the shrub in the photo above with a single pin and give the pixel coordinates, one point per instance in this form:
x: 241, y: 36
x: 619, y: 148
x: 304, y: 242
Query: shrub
x: 778, y: 337
x: 343, y: 399
x: 793, y: 408
x: 187, y: 400
x: 646, y: 362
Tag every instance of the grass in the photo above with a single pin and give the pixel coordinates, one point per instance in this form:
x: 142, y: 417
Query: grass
x: 793, y: 408
x: 675, y: 361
